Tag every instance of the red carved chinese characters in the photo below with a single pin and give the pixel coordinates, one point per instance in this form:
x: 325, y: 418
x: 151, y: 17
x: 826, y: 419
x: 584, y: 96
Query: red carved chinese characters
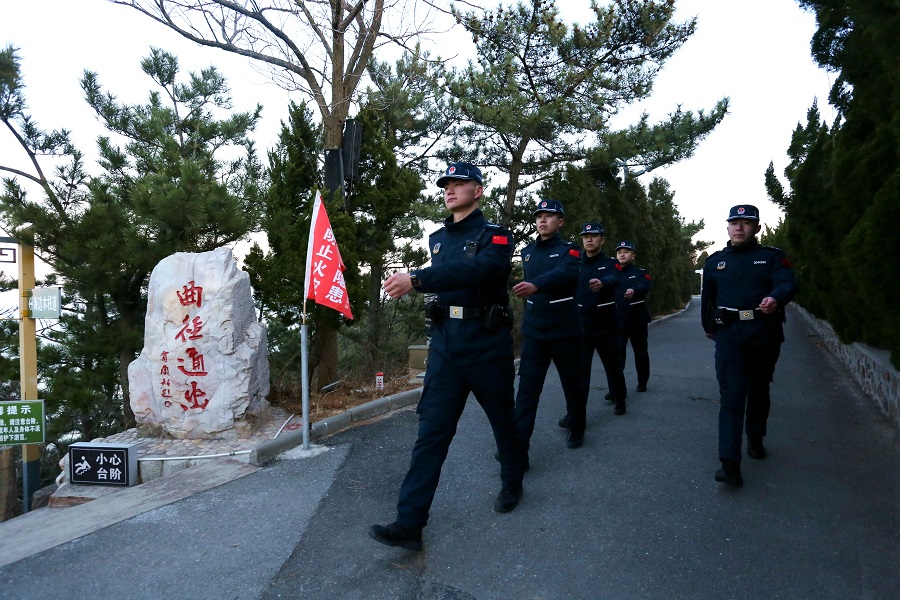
x: 165, y: 383
x: 195, y: 397
x: 192, y: 364
x: 191, y: 295
x: 192, y: 329
x: 196, y: 364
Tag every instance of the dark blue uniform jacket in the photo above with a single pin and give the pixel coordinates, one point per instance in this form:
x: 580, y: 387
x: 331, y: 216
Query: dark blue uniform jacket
x: 551, y: 265
x: 740, y: 277
x: 598, y: 309
x: 633, y: 311
x: 470, y: 266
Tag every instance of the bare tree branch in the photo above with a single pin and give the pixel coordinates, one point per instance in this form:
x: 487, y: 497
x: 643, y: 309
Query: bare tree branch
x: 305, y: 43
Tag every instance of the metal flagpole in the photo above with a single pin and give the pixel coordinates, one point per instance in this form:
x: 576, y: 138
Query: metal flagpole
x: 304, y: 366
x: 304, y: 331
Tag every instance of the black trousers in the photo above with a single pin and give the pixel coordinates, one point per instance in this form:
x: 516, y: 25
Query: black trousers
x: 606, y: 346
x: 533, y: 366
x: 443, y: 399
x: 637, y: 334
x: 744, y: 374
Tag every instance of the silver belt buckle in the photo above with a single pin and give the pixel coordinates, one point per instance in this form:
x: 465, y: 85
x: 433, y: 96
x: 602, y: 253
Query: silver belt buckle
x: 456, y: 312
x: 745, y: 315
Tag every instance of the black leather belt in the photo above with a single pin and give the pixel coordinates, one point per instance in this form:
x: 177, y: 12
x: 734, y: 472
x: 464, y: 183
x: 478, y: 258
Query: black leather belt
x: 724, y: 315
x: 463, y: 312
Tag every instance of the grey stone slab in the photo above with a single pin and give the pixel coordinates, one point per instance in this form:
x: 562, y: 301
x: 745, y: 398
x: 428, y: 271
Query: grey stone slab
x: 225, y: 542
x: 40, y: 530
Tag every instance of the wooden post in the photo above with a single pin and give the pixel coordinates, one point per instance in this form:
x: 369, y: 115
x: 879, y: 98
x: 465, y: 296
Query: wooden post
x: 31, y: 453
x: 9, y: 489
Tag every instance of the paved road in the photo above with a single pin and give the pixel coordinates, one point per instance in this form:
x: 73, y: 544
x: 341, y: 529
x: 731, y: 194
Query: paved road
x: 635, y: 513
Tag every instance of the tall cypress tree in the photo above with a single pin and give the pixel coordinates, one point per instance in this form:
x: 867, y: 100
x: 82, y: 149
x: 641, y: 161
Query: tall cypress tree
x: 845, y: 182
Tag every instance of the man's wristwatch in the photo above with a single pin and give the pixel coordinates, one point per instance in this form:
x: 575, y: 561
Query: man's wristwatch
x: 414, y: 280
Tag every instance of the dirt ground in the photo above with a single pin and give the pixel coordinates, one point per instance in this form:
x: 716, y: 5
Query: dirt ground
x: 345, y: 396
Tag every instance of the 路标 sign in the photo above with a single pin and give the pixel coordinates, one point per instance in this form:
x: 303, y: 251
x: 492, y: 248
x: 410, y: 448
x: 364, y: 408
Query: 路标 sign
x: 21, y: 422
x: 44, y: 303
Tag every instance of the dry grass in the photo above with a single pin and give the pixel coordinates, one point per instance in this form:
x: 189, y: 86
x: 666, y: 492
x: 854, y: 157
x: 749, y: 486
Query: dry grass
x: 345, y: 396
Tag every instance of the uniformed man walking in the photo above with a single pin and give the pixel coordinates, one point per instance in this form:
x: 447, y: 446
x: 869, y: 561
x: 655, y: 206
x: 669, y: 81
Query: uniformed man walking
x: 745, y: 289
x: 471, y: 351
x: 634, y: 317
x: 595, y: 294
x: 551, y: 327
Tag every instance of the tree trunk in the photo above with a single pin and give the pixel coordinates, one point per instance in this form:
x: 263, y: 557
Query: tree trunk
x: 376, y: 268
x: 9, y: 488
x: 515, y: 170
x: 327, y: 369
x: 125, y: 358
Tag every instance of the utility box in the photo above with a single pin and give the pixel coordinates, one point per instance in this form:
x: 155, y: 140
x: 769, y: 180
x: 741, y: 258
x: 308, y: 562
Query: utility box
x: 418, y: 357
x: 418, y: 361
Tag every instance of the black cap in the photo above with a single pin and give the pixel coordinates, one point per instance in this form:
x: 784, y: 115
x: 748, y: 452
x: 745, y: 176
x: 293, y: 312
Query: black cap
x: 460, y: 170
x: 743, y: 211
x: 593, y: 227
x: 549, y: 206
x: 627, y: 244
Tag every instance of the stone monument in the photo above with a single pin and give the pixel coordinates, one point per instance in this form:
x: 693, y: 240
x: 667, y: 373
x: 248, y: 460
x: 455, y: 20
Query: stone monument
x: 203, y: 372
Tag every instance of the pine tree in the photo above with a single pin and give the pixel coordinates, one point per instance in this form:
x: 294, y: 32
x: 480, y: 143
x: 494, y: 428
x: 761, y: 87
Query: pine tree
x: 171, y: 181
x: 538, y: 88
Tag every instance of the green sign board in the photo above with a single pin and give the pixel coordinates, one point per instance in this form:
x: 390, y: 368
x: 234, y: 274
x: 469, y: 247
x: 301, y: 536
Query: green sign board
x: 44, y: 303
x: 21, y: 422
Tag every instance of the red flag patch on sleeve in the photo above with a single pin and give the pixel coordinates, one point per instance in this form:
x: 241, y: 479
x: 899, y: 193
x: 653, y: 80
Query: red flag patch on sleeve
x: 574, y: 252
x: 647, y: 275
x: 500, y: 239
x: 787, y: 263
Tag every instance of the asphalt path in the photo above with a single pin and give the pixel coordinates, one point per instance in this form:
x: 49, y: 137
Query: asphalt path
x: 634, y: 513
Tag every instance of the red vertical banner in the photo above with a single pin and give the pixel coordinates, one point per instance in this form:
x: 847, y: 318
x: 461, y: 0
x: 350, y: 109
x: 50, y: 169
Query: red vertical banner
x: 324, y: 268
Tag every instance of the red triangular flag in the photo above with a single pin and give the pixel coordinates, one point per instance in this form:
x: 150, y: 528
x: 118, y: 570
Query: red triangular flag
x: 324, y: 268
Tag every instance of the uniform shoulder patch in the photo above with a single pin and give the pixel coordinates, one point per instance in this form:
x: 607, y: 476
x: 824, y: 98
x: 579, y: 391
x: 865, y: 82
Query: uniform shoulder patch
x: 647, y: 276
x: 575, y: 252
x: 500, y: 239
x: 786, y: 262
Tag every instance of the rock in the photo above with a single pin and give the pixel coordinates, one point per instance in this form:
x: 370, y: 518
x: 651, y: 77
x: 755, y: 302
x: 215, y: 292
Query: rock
x: 41, y: 498
x: 203, y: 372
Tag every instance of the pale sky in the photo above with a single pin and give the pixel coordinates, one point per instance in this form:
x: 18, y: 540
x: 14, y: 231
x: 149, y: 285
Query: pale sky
x: 757, y: 53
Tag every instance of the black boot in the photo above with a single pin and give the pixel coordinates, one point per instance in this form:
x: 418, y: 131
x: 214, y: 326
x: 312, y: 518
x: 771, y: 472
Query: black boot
x: 574, y: 440
x: 620, y: 407
x: 755, y: 448
x: 508, y: 499
x: 730, y: 473
x: 395, y: 534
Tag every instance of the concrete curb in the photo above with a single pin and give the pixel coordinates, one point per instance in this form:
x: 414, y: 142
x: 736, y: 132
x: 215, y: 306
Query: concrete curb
x: 267, y: 451
x: 674, y: 314
x: 869, y: 367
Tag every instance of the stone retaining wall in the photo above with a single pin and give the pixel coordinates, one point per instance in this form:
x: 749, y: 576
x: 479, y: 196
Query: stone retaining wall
x: 870, y: 368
